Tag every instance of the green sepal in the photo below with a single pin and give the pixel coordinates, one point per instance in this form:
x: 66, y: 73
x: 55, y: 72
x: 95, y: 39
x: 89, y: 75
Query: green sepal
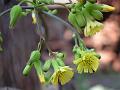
x: 98, y: 56
x: 73, y: 21
x: 87, y: 14
x: 97, y: 14
x: 80, y: 19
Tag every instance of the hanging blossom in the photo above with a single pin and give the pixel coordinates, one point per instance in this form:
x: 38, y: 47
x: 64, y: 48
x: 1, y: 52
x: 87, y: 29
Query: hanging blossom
x: 88, y: 62
x: 62, y: 74
x: 92, y: 28
x: 34, y: 20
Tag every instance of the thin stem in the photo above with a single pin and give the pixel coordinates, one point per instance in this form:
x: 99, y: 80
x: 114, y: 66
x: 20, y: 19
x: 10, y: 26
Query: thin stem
x: 4, y: 12
x: 40, y: 45
x: 75, y: 38
x: 64, y: 5
x: 46, y: 33
x: 44, y: 25
x: 81, y: 43
x: 8, y: 10
x: 48, y: 14
x: 60, y: 20
x: 60, y: 86
x: 67, y: 24
x: 24, y: 1
x: 39, y: 25
x: 70, y: 1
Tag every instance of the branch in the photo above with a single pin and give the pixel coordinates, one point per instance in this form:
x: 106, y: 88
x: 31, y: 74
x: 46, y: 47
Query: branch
x: 48, y: 14
x: 8, y: 10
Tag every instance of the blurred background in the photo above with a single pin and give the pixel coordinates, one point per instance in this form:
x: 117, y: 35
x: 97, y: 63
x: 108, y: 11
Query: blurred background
x: 19, y: 43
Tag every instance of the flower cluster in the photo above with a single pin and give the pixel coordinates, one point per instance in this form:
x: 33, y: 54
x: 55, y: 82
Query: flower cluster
x: 87, y: 61
x: 62, y: 73
x: 85, y: 16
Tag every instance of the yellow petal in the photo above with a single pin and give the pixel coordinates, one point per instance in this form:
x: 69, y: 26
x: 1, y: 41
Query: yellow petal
x: 55, y: 78
x: 42, y: 79
x: 90, y: 70
x: 80, y: 68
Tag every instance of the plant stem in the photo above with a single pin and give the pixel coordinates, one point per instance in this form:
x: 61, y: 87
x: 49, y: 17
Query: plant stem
x: 60, y: 86
x: 8, y: 10
x: 70, y: 1
x: 64, y: 5
x: 75, y: 38
x: 23, y: 1
x: 48, y: 14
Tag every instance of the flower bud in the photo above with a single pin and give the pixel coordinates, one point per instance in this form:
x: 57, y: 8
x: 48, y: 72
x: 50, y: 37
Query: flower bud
x: 35, y: 55
x: 27, y: 70
x: 47, y: 65
x: 15, y: 14
x: 107, y: 8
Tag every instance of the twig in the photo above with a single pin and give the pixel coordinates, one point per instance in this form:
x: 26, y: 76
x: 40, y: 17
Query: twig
x: 8, y: 10
x: 63, y: 6
x: 46, y: 13
x: 60, y: 86
x: 70, y: 1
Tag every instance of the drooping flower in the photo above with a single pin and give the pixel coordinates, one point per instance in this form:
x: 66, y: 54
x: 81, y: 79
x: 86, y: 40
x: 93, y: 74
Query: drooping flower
x: 41, y: 78
x: 39, y: 71
x: 61, y: 74
x: 34, y: 20
x: 88, y: 62
x: 92, y: 28
x: 107, y: 8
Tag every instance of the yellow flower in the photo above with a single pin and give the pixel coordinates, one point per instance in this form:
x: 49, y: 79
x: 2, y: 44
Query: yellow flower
x: 34, y: 18
x: 87, y: 63
x: 107, y: 8
x: 62, y: 75
x: 39, y: 71
x: 92, y: 28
